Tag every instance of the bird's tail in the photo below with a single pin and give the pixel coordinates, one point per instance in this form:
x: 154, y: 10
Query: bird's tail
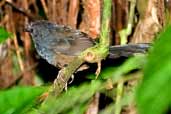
x: 127, y: 50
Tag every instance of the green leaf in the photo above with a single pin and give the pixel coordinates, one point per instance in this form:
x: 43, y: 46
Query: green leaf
x: 16, y: 100
x: 78, y: 109
x: 133, y: 63
x: 73, y: 97
x: 154, y: 93
x: 3, y: 34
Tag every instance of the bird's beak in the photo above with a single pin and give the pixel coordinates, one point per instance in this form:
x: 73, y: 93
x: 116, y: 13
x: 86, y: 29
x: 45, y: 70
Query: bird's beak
x: 27, y: 28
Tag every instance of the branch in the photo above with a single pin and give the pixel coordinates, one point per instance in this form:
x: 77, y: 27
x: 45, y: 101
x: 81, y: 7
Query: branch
x: 64, y: 75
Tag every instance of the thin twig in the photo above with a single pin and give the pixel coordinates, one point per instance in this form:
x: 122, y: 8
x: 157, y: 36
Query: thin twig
x: 22, y: 11
x: 119, y: 93
x: 44, y: 7
x: 21, y: 64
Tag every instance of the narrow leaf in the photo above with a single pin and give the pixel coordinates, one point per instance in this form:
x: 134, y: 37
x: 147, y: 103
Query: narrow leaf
x: 73, y: 97
x: 154, y: 93
x: 16, y: 100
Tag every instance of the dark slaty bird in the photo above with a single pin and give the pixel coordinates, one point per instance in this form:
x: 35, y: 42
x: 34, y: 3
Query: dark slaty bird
x: 58, y: 44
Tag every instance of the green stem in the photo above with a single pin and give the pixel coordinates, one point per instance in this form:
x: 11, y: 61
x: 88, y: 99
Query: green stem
x: 127, y: 31
x: 119, y: 94
x: 105, y: 27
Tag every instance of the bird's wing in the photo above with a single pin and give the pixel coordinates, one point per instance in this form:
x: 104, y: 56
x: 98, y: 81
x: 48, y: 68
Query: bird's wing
x: 69, y: 41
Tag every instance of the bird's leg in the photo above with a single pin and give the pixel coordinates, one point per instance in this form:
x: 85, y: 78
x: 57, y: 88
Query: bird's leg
x: 59, y: 77
x: 98, y: 69
x: 66, y: 86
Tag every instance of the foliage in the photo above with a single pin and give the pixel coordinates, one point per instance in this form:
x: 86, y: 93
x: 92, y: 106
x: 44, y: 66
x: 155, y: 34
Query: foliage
x: 78, y: 96
x: 131, y: 64
x: 154, y: 95
x: 17, y: 100
x: 75, y: 96
x: 116, y: 72
x: 3, y: 34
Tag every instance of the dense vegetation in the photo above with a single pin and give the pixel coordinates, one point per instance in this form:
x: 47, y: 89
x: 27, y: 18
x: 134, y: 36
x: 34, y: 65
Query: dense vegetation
x: 139, y: 84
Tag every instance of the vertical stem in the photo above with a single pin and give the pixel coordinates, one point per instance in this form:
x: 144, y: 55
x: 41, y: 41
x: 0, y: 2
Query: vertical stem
x: 131, y: 17
x: 119, y: 93
x: 104, y: 35
x: 127, y: 31
x: 44, y: 7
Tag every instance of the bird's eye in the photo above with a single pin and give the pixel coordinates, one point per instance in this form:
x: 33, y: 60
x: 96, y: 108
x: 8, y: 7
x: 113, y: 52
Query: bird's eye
x: 28, y: 29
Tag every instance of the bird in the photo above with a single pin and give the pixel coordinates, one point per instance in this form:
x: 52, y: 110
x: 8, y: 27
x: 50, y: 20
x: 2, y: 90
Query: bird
x: 59, y: 44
